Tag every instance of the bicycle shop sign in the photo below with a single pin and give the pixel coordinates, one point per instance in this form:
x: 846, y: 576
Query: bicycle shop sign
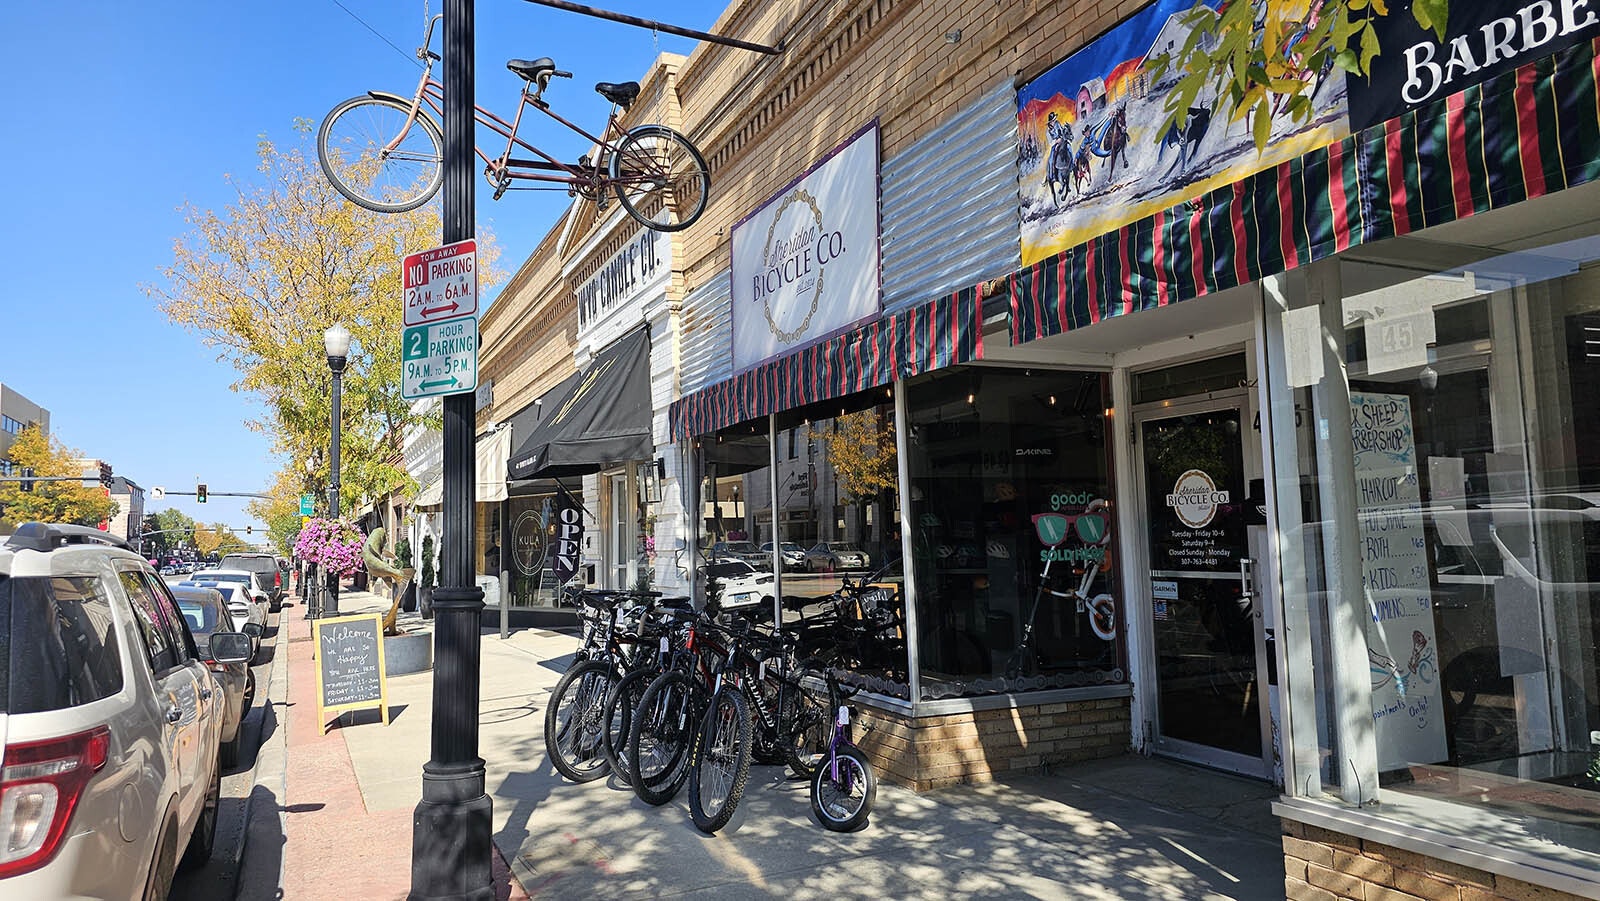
x: 805, y: 264
x: 629, y: 273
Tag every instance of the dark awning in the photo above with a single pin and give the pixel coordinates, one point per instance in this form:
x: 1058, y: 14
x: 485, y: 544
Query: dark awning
x: 596, y: 418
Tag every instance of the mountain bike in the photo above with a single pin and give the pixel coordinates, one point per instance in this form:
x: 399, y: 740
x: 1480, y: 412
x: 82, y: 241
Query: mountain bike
x: 386, y: 153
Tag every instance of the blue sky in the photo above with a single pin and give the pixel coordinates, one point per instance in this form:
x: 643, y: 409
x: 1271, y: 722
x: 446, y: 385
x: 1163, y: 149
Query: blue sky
x: 126, y: 111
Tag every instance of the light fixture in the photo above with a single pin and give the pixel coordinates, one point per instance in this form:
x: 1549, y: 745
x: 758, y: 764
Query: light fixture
x: 953, y: 36
x: 1052, y: 400
x: 971, y: 397
x: 1428, y: 378
x: 336, y: 340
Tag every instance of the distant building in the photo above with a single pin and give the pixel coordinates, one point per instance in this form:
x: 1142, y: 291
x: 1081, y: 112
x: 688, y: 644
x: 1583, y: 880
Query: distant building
x: 16, y: 414
x: 128, y: 519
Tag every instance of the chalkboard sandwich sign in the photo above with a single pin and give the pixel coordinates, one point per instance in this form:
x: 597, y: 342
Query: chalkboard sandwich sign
x: 350, y: 665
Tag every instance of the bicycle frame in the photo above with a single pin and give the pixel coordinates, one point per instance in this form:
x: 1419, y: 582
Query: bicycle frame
x: 501, y: 169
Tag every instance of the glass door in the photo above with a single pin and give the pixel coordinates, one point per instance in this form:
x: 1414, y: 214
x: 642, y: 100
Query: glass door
x: 1205, y: 617
x: 621, y: 546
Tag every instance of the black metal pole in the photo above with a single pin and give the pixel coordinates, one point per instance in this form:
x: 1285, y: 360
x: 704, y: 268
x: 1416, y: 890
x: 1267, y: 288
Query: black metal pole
x: 450, y: 830
x: 653, y: 25
x: 337, y: 365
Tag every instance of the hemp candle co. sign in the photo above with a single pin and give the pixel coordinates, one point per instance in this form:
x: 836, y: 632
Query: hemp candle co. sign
x: 350, y: 665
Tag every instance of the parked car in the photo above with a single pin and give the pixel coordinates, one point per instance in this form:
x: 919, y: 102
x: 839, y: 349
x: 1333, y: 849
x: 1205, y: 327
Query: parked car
x: 109, y: 721
x: 832, y: 556
x: 243, y: 608
x: 207, y: 613
x: 740, y: 550
x: 741, y: 584
x: 251, y: 580
x: 793, y: 554
x: 275, y: 579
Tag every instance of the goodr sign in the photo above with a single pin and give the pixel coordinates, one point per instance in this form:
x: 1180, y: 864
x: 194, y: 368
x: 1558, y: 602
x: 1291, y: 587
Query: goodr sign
x: 805, y: 265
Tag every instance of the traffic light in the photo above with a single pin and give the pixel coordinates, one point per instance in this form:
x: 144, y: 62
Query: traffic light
x: 200, y: 493
x: 105, y: 475
x: 249, y: 529
x: 27, y: 475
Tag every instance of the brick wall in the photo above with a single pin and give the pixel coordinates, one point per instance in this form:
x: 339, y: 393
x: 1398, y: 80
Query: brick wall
x: 936, y: 751
x: 1321, y: 865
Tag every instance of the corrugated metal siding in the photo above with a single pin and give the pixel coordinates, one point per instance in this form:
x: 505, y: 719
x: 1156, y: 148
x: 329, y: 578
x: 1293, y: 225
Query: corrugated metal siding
x: 950, y: 205
x: 706, y: 345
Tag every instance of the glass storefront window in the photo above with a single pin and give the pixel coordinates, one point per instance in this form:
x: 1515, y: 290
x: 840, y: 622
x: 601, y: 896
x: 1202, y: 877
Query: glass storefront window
x: 1448, y: 565
x: 989, y: 451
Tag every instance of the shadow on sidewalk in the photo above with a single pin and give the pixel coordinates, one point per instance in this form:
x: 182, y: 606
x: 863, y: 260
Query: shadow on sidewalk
x: 260, y: 870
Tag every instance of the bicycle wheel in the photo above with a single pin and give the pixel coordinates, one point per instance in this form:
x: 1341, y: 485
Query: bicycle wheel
x: 660, y: 178
x: 660, y: 738
x: 843, y: 790
x: 806, y: 729
x: 618, y: 717
x: 350, y: 146
x: 721, y: 762
x: 573, y: 724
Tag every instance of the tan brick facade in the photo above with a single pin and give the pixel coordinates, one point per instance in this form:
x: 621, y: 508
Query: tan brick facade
x: 1321, y: 865
x: 935, y: 751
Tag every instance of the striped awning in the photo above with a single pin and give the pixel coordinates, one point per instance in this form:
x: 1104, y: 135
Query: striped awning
x: 1522, y: 134
x: 943, y: 332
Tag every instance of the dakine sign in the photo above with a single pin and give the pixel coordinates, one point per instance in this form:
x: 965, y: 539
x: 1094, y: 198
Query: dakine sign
x: 805, y: 265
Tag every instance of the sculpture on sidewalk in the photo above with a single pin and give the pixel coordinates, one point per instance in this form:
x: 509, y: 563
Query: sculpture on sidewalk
x: 379, y: 568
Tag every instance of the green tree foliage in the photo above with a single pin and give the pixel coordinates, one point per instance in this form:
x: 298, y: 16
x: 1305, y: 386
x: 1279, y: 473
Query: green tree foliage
x: 1266, y: 56
x: 172, y: 531
x: 72, y: 502
x: 263, y: 278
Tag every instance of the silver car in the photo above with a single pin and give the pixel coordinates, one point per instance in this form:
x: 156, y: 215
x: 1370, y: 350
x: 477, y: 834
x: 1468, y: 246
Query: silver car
x: 207, y: 613
x: 109, y: 724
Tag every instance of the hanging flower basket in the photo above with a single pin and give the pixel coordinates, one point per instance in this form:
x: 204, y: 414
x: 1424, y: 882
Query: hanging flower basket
x: 332, y: 543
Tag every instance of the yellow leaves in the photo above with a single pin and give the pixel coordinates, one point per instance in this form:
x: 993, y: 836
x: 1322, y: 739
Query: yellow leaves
x: 862, y: 454
x: 59, y: 502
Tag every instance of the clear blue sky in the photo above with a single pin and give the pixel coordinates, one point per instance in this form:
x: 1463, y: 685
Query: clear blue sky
x: 122, y: 112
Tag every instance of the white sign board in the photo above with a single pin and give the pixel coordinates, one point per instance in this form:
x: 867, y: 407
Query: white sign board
x: 805, y: 265
x: 439, y: 358
x: 158, y: 493
x: 441, y: 283
x: 1402, y: 642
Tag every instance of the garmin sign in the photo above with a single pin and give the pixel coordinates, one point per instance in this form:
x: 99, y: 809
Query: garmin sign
x: 805, y: 265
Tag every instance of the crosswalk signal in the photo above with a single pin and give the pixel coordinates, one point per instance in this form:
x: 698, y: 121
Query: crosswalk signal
x: 200, y: 493
x: 27, y: 474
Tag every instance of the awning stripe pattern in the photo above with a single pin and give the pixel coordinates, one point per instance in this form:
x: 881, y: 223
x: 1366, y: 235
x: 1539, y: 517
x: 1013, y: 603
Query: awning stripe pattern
x: 944, y: 332
x: 1521, y: 134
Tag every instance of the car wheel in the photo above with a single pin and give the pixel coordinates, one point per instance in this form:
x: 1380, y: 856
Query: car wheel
x: 204, y: 839
x: 228, y: 751
x: 159, y: 885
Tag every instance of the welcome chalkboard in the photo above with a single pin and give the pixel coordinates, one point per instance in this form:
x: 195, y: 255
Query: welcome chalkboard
x: 349, y: 653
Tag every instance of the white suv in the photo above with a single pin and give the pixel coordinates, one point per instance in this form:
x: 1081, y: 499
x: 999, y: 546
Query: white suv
x: 109, y: 721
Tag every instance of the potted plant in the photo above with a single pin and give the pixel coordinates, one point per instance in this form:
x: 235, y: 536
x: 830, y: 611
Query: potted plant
x: 403, y: 560
x: 425, y: 580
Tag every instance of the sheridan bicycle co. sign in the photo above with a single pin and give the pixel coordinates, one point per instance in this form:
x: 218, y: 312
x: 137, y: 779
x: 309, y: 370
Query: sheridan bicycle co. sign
x: 805, y: 264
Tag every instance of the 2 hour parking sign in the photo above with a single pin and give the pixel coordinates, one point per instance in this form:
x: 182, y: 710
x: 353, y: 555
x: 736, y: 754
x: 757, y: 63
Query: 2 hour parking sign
x: 439, y: 345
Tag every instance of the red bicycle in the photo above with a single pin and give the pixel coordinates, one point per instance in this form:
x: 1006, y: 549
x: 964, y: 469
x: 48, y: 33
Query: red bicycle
x: 386, y: 153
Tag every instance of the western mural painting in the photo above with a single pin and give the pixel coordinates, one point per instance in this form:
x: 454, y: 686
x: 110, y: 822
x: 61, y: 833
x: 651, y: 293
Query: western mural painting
x: 1096, y: 150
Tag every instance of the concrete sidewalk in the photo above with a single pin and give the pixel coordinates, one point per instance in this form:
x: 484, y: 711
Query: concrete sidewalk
x: 1126, y: 828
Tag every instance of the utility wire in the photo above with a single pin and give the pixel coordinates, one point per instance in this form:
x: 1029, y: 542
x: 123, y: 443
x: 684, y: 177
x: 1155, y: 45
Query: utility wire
x: 411, y: 57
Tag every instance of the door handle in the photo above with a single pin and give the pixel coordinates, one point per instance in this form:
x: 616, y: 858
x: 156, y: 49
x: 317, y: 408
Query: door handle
x: 174, y: 714
x: 205, y: 694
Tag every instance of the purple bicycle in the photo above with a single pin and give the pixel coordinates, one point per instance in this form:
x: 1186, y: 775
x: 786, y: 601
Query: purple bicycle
x: 844, y: 786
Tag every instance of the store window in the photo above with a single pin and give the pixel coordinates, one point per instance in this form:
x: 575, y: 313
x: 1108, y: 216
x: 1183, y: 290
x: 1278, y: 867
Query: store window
x: 1448, y: 564
x: 1007, y: 602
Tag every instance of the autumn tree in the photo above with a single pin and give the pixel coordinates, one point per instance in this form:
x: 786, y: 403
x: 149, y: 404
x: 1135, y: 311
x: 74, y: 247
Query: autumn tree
x: 280, y: 510
x: 263, y: 278
x: 70, y: 502
x: 860, y: 448
x: 1263, y: 58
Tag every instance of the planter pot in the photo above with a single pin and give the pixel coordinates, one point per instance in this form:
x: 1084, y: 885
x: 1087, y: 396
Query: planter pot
x: 425, y: 601
x: 408, y: 601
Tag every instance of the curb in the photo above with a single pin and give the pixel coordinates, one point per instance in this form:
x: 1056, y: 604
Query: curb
x: 260, y: 876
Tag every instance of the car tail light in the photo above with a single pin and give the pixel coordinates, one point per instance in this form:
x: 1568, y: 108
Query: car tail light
x: 277, y: 579
x: 40, y: 785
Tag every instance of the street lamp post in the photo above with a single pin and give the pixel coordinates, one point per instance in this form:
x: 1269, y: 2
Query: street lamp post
x: 336, y: 341
x: 451, y: 848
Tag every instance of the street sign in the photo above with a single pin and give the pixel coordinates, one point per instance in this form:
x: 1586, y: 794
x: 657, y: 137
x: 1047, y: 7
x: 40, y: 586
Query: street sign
x: 439, y: 358
x: 158, y: 494
x: 307, y: 504
x: 441, y: 283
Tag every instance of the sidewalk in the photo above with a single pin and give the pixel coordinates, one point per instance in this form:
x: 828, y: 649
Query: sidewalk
x: 340, y: 840
x: 1125, y: 828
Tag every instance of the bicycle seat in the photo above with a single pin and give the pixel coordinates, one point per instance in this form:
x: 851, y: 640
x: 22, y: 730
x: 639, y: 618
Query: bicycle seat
x: 532, y: 69
x: 622, y: 95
